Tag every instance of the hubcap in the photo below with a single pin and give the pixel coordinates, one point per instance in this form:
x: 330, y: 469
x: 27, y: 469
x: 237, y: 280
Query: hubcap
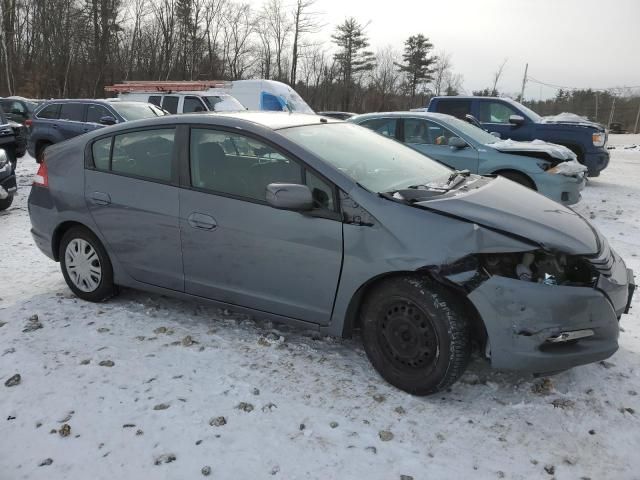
x: 407, y: 335
x: 83, y: 265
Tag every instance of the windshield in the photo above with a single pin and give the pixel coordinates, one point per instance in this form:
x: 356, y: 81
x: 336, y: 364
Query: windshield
x: 294, y: 103
x: 474, y: 133
x: 377, y: 163
x: 137, y: 111
x: 223, y: 103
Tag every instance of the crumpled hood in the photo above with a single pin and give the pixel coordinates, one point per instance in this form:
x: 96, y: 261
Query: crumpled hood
x: 503, y: 205
x: 559, y: 152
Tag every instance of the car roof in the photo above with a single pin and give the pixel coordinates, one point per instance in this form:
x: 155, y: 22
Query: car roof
x: 275, y: 120
x: 431, y: 115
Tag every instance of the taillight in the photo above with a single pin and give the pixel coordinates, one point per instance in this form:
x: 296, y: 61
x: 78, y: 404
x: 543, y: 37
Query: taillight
x: 42, y: 176
x: 28, y: 123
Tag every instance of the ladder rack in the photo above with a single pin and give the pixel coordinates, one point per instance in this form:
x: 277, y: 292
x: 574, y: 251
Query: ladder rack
x: 166, y: 86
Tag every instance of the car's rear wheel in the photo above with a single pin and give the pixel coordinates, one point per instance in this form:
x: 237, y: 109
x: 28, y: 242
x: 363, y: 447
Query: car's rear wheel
x: 518, y: 177
x: 415, y: 334
x: 6, y: 202
x: 40, y: 151
x: 86, y: 266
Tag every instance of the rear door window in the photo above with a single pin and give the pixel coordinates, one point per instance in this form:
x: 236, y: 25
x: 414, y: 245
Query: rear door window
x: 73, y: 112
x: 456, y: 108
x: 146, y: 154
x: 425, y: 132
x: 170, y: 103
x: 193, y: 104
x: 156, y: 100
x: 96, y: 112
x: 50, y: 111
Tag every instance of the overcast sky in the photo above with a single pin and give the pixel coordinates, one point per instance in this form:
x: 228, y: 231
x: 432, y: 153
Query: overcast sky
x: 581, y: 43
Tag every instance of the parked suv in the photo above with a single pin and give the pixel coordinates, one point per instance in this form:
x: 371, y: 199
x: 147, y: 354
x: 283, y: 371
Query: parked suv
x: 19, y: 109
x: 58, y: 120
x: 515, y: 121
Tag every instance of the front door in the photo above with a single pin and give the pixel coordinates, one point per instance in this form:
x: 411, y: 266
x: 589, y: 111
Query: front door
x: 432, y: 139
x: 133, y: 198
x: 239, y: 250
x: 494, y: 116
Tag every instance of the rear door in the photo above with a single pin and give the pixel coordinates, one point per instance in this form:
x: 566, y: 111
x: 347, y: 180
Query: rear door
x: 432, y: 139
x: 71, y: 120
x: 237, y: 249
x: 454, y: 107
x: 131, y: 191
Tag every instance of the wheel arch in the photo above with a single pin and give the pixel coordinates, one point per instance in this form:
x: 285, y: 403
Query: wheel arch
x: 352, y: 316
x: 59, y: 232
x: 501, y: 171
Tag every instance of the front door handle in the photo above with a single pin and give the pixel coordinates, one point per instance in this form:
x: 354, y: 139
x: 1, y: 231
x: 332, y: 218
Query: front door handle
x: 100, y: 198
x: 201, y: 221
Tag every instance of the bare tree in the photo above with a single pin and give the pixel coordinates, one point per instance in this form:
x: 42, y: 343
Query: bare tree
x: 385, y: 78
x: 496, y: 77
x: 304, y: 21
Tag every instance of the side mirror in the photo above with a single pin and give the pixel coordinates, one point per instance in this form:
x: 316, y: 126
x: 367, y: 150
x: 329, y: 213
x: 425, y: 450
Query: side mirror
x: 289, y: 196
x: 516, y: 120
x: 496, y: 134
x: 457, y: 143
x: 107, y: 120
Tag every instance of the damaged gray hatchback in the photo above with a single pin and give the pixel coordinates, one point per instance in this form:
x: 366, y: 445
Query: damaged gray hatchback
x: 329, y: 225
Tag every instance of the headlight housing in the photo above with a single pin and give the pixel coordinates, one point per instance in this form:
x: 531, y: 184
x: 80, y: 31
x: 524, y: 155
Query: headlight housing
x: 598, y: 139
x: 4, y: 158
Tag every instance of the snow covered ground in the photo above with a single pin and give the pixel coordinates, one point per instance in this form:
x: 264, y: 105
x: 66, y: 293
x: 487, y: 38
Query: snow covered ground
x: 295, y: 405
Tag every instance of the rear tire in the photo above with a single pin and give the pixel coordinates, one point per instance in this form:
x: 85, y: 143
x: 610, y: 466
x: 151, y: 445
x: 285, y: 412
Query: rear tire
x: 40, y: 151
x: 86, y: 266
x: 518, y: 177
x: 6, y: 202
x: 415, y: 334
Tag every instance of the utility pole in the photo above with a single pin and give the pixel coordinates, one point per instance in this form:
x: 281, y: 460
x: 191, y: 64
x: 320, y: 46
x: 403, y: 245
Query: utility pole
x: 524, y: 82
x: 613, y: 109
x: 635, y: 128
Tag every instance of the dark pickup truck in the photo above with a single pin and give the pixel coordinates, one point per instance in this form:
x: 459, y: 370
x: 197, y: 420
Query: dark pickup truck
x: 515, y: 121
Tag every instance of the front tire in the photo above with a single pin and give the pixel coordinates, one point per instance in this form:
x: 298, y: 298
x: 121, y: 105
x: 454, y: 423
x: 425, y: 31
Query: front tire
x: 86, y: 266
x: 415, y: 334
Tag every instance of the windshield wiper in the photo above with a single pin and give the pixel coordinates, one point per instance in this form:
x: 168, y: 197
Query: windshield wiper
x: 456, y: 177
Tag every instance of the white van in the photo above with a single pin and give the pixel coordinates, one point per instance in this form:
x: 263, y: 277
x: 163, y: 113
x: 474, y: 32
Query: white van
x: 189, y: 97
x: 210, y: 100
x: 268, y: 95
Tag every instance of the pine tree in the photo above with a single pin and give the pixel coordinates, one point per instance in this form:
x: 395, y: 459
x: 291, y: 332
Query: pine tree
x: 418, y: 62
x: 353, y: 56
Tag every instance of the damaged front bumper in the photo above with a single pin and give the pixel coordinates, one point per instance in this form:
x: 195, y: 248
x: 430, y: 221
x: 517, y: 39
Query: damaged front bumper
x: 541, y: 328
x: 565, y: 189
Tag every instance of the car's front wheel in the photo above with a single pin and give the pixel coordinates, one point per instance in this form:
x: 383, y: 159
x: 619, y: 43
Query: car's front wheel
x: 415, y: 334
x: 86, y: 266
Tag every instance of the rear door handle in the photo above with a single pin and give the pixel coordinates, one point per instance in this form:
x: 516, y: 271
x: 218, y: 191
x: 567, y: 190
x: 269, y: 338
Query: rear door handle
x: 100, y: 198
x: 201, y: 221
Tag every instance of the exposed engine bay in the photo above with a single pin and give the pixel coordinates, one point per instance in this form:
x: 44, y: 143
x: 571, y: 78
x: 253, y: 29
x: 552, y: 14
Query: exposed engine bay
x: 537, y: 266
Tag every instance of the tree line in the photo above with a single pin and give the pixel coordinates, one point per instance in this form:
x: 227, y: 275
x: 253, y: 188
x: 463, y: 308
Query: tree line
x: 73, y: 48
